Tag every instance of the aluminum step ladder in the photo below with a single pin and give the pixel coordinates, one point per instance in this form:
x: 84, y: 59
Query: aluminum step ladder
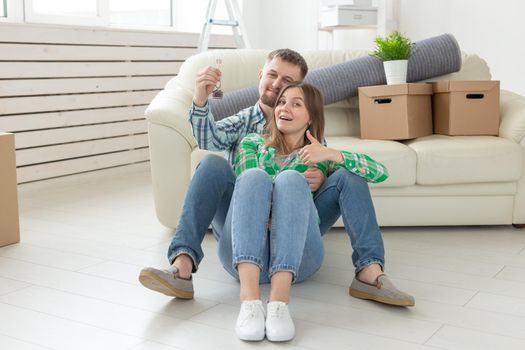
x: 234, y: 21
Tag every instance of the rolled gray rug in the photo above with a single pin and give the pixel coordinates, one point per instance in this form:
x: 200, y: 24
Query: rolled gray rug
x: 432, y: 57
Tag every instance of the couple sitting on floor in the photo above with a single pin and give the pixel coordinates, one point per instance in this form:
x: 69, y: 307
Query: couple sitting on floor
x: 270, y: 200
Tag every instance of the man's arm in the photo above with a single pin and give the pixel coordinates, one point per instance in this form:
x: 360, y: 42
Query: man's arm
x: 210, y: 134
x: 216, y: 135
x: 205, y: 82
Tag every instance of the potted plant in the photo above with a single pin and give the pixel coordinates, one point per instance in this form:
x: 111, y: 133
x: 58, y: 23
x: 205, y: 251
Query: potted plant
x: 394, y: 51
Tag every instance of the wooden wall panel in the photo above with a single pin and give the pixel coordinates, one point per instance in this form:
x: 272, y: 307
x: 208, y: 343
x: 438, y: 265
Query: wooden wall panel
x: 27, y: 87
x: 79, y: 165
x: 38, y: 121
x: 19, y: 70
x: 79, y: 149
x: 37, y: 52
x: 75, y: 96
x: 78, y: 133
x: 48, y: 103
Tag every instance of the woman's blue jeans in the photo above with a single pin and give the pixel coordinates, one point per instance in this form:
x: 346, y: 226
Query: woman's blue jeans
x: 208, y: 201
x: 290, y: 241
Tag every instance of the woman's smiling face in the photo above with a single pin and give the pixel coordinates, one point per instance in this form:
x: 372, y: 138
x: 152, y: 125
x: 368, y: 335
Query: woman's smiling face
x: 291, y: 115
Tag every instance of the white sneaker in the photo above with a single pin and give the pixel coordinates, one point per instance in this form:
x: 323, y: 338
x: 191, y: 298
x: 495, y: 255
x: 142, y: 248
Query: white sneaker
x: 279, y: 323
x: 250, y: 322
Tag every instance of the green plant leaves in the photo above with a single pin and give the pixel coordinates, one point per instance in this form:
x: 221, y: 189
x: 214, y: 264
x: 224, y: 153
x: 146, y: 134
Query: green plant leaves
x: 396, y: 46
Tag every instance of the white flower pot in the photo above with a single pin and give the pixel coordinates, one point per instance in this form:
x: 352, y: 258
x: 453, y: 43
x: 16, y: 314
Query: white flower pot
x: 396, y: 71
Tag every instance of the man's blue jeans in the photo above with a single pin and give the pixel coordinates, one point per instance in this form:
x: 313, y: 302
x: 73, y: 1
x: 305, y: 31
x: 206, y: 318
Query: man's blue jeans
x: 207, y: 201
x: 342, y: 193
x: 345, y: 194
x: 293, y: 244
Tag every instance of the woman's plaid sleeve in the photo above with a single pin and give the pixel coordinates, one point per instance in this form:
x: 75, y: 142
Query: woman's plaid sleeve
x: 362, y: 165
x: 246, y: 157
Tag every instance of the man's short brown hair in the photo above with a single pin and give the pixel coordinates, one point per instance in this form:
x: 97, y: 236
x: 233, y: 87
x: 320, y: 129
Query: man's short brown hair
x: 292, y: 57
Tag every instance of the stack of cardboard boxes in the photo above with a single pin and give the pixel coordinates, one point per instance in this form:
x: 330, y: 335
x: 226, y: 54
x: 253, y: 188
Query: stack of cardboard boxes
x: 406, y: 111
x: 9, y: 226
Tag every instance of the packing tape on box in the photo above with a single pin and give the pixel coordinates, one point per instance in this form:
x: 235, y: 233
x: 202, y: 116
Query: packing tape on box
x: 432, y: 57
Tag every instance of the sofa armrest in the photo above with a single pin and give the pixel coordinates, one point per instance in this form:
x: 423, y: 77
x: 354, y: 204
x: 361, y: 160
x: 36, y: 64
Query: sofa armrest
x: 171, y: 144
x: 512, y: 120
x: 170, y: 160
x: 170, y: 108
x: 518, y: 216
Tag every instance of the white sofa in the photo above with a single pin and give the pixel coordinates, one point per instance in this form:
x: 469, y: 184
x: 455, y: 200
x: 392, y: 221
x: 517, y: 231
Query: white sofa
x: 434, y: 180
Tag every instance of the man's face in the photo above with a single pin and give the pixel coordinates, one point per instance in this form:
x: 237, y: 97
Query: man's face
x: 274, y: 75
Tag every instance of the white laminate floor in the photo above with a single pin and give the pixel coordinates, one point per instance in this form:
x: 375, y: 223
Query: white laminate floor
x: 72, y: 283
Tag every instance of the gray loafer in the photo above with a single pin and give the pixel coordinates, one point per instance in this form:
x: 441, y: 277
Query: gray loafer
x: 167, y: 282
x: 383, y: 291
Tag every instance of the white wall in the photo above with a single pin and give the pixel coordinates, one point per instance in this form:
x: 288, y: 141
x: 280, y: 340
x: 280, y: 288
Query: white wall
x: 273, y: 24
x: 294, y: 23
x: 492, y: 29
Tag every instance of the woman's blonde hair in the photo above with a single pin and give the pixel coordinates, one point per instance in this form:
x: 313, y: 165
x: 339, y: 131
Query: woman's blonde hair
x: 313, y: 100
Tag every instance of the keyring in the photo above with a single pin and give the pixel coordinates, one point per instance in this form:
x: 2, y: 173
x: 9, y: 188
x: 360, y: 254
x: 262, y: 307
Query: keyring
x: 217, y: 92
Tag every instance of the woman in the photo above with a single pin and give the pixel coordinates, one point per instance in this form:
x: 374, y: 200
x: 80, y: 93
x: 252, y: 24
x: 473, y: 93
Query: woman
x: 273, y: 220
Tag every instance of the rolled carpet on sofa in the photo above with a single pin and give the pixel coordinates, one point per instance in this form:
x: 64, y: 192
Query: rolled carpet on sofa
x: 431, y: 57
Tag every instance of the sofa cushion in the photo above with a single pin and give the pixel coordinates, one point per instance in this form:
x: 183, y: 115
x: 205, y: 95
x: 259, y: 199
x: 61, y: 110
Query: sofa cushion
x: 399, y: 159
x: 445, y: 159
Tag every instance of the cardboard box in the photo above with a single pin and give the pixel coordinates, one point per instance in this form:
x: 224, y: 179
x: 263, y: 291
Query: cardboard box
x: 466, y: 107
x: 9, y: 225
x: 395, y: 112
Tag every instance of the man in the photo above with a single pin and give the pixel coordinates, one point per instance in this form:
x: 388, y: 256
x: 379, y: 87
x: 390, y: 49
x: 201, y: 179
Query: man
x: 210, y: 191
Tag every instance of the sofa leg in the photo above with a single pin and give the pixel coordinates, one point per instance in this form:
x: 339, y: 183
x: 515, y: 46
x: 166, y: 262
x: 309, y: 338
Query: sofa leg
x: 519, y: 225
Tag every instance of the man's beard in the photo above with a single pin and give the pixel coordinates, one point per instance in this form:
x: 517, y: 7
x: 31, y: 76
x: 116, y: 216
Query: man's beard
x: 268, y: 100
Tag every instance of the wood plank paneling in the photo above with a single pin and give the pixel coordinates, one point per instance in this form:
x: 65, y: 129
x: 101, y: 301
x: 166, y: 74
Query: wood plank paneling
x: 75, y: 96
x: 56, y: 34
x: 38, y: 52
x: 78, y: 133
x: 78, y: 165
x: 27, y: 87
x: 18, y: 105
x: 79, y: 149
x: 70, y: 118
x: 19, y: 70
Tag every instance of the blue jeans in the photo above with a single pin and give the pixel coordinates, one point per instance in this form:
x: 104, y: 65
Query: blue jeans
x: 292, y: 244
x: 210, y: 192
x: 207, y: 202
x: 344, y: 193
